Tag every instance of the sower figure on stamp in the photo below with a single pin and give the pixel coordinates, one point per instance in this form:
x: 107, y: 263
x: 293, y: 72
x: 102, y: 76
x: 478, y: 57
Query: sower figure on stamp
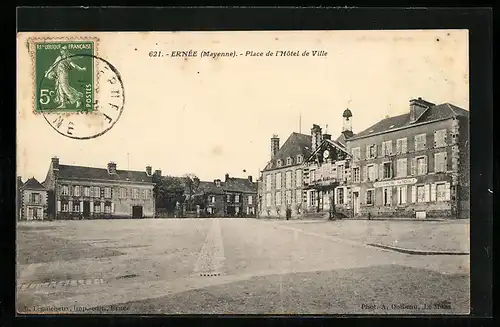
x: 59, y: 71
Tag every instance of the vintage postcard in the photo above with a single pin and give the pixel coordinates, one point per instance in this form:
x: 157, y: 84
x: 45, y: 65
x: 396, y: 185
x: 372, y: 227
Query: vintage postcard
x: 290, y: 172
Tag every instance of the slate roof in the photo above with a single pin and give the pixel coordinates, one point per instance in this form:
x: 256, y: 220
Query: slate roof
x: 209, y: 188
x: 234, y: 184
x: 296, y: 144
x: 92, y: 173
x: 342, y: 139
x: 33, y: 184
x: 437, y: 112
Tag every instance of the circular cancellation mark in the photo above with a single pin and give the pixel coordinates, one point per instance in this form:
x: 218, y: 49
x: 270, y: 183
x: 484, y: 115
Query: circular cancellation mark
x: 81, y: 97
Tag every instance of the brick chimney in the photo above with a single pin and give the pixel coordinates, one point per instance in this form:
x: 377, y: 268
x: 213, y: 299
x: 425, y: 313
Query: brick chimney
x: 275, y: 145
x: 315, y: 137
x: 149, y: 170
x: 111, y: 168
x: 217, y: 182
x: 417, y: 108
x: 55, y: 163
x: 327, y: 136
x: 250, y: 179
x: 227, y: 177
x: 158, y: 172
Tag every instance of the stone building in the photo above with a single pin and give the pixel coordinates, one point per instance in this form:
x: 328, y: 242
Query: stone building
x: 282, y: 178
x: 77, y: 192
x: 327, y: 173
x: 233, y: 197
x: 32, y: 204
x: 412, y: 165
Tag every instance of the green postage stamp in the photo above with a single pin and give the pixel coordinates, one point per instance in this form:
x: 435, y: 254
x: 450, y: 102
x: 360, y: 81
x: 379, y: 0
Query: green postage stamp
x: 64, y: 75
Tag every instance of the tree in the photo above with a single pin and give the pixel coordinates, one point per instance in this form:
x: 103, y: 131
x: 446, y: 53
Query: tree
x: 191, y: 184
x: 168, y: 190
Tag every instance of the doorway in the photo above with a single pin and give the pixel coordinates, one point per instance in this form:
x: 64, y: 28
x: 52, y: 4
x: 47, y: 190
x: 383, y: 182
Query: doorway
x: 86, y: 209
x: 136, y: 211
x: 355, y: 201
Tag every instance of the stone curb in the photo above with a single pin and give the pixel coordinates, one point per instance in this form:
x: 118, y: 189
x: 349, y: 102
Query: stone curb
x: 417, y: 252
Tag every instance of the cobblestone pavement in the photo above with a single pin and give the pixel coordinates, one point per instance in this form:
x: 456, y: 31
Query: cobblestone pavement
x: 217, y: 265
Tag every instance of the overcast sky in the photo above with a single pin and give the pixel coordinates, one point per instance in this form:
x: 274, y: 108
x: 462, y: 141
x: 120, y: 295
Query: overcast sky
x: 215, y: 116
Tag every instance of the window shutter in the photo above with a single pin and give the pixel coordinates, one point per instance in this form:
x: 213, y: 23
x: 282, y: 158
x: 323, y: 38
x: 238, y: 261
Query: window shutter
x: 404, y: 146
x: 383, y: 148
x: 445, y: 161
x: 367, y: 151
x: 398, y: 146
x: 376, y: 151
x: 413, y: 194
x: 426, y: 159
x: 380, y: 171
x: 345, y: 195
x: 413, y: 166
x: 112, y: 207
x: 436, y: 162
x: 366, y: 197
x: 433, y: 192
x: 389, y: 195
x: 424, y: 141
x: 399, y: 190
x: 447, y: 191
x: 58, y: 206
x: 390, y: 147
x: 426, y: 194
x: 365, y: 173
x: 404, y: 193
x: 445, y: 133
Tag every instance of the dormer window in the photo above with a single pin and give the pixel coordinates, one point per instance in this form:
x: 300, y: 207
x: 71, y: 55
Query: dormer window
x: 299, y: 159
x: 279, y: 163
x: 288, y: 161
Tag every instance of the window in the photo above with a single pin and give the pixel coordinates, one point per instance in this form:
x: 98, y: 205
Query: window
x: 107, y: 192
x: 441, y: 192
x: 135, y: 193
x: 440, y: 162
x: 340, y: 195
x: 279, y: 163
x: 299, y: 159
x: 356, y: 154
x: 288, y: 179
x: 402, y: 167
x: 236, y: 198
x: 402, y: 194
x: 420, y: 143
x: 76, y: 207
x: 76, y: 190
x: 107, y: 208
x: 387, y: 196
x: 95, y: 191
x: 401, y: 146
x: 35, y: 197
x: 288, y: 161
x: 268, y: 200
x: 212, y: 199
x: 340, y: 172
x: 65, y: 207
x: 145, y: 194
x: 355, y: 175
x: 288, y: 196
x: 421, y: 166
x: 97, y: 207
x: 250, y: 199
x: 123, y: 193
x: 440, y: 138
x: 387, y: 167
x: 65, y: 190
x: 312, y: 176
x: 278, y: 198
x: 371, y: 151
x: 371, y: 172
x: 228, y: 198
x: 298, y: 196
x: 313, y: 198
x: 86, y: 191
x: 421, y: 193
x: 298, y: 177
x: 268, y: 182
x: 369, y: 197
x: 278, y: 181
x: 387, y: 148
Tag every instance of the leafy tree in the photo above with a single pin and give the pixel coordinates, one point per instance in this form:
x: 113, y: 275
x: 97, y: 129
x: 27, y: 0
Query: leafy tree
x: 168, y: 190
x: 191, y: 184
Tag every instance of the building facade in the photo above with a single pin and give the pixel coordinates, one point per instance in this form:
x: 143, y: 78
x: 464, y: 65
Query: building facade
x: 282, y: 186
x: 32, y: 200
x: 412, y: 165
x: 77, y: 192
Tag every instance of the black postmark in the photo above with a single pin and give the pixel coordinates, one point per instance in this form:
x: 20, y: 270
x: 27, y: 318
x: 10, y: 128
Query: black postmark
x: 108, y: 99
